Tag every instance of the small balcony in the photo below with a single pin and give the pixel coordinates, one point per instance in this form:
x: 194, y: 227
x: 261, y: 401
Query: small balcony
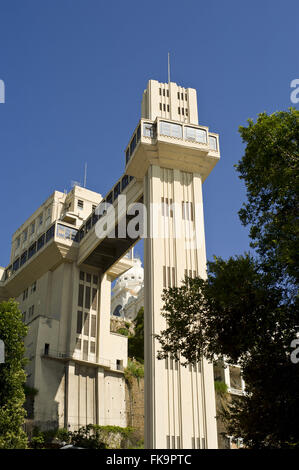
x: 81, y: 357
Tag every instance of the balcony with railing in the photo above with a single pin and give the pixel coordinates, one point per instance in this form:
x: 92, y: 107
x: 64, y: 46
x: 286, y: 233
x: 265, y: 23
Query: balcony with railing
x: 82, y: 357
x: 193, y: 141
x: 151, y: 131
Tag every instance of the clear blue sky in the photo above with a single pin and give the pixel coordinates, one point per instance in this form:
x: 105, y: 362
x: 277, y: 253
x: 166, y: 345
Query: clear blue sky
x: 75, y: 71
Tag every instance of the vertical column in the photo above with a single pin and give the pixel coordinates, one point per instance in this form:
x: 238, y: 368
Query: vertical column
x: 179, y: 401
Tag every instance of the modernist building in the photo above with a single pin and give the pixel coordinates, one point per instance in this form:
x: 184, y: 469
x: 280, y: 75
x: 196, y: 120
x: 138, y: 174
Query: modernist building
x: 64, y: 258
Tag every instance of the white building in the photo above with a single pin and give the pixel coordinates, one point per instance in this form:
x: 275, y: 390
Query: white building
x: 66, y: 255
x: 128, y: 292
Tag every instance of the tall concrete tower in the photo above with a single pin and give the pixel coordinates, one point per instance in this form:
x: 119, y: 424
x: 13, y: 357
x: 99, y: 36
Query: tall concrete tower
x: 172, y: 155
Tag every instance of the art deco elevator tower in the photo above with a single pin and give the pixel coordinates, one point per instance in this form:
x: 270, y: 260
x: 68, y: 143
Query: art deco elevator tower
x: 172, y: 155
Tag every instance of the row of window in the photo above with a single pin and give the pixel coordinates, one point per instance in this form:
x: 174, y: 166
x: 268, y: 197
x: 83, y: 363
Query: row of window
x: 110, y: 198
x: 38, y: 222
x: 160, y: 92
x: 30, y: 314
x: 179, y: 95
x: 183, y: 111
x: 86, y: 324
x: 167, y: 209
x: 88, y: 347
x: 191, y: 133
x: 89, y: 300
x: 169, y: 276
x: 32, y: 289
x: 27, y: 254
x: 86, y: 277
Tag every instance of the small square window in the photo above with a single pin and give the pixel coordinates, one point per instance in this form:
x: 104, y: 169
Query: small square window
x: 80, y: 204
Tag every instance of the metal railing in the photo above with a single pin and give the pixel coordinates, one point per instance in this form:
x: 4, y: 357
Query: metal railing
x: 81, y: 356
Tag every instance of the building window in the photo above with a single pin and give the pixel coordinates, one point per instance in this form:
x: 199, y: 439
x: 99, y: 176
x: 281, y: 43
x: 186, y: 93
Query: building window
x: 25, y: 233
x: 213, y: 142
x: 87, y: 297
x: 86, y: 324
x: 80, y: 295
x: 164, y: 92
x: 182, y: 96
x: 88, y: 277
x: 81, y: 276
x: 160, y: 106
x: 18, y: 242
x: 93, y: 326
x: 40, y: 220
x: 33, y: 287
x: 80, y: 204
x: 78, y: 344
x: 94, y: 303
x: 178, y: 95
x: 79, y: 322
x: 31, y: 311
x: 164, y: 107
x: 47, y: 349
x: 148, y: 130
x: 32, y: 228
x: 166, y: 205
x: 167, y: 93
x: 187, y: 210
x: 92, y: 347
x: 186, y: 112
x: 179, y: 110
x: 170, y: 129
x: 160, y: 91
x: 186, y: 96
x: 25, y: 294
x: 194, y: 134
x: 168, y: 108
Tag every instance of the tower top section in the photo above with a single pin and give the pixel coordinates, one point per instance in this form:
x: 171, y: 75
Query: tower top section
x: 169, y: 101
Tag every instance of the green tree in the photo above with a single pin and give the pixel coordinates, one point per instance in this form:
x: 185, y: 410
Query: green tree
x: 247, y: 308
x: 12, y: 377
x: 269, y: 169
x: 136, y: 342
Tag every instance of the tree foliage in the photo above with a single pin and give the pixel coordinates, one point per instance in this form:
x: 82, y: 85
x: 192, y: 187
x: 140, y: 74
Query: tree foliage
x: 269, y: 169
x: 12, y: 377
x: 136, y: 342
x: 247, y: 308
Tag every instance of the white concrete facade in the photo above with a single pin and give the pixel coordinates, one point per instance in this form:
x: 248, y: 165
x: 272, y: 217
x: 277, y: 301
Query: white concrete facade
x: 75, y: 362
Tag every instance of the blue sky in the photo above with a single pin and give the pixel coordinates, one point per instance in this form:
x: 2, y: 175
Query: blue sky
x: 75, y: 71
